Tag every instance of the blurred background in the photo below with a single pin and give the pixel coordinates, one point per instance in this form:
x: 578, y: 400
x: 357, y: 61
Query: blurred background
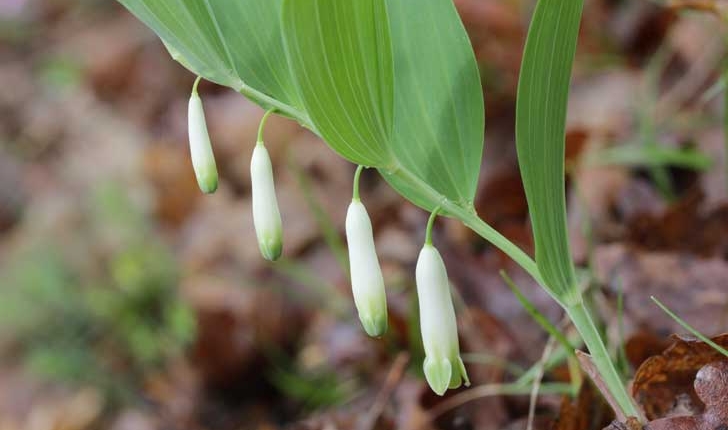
x: 130, y: 301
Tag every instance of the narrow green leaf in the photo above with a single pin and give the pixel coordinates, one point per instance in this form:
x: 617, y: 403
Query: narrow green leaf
x: 543, y: 92
x: 233, y: 43
x: 690, y: 328
x: 537, y: 316
x: 340, y: 53
x: 438, y: 105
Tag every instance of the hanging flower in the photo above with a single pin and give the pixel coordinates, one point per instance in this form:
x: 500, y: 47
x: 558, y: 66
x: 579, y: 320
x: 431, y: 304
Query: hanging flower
x: 266, y: 216
x: 443, y: 366
x: 203, y: 159
x: 367, y: 282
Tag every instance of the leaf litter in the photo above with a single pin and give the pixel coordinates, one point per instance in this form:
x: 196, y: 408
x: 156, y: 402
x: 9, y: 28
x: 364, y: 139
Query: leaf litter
x: 280, y: 347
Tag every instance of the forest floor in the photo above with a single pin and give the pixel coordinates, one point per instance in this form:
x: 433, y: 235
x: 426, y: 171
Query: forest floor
x: 130, y: 301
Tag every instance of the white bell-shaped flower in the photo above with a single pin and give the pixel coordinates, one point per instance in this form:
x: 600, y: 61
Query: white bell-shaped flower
x: 266, y: 216
x: 443, y: 366
x: 367, y: 282
x: 203, y: 159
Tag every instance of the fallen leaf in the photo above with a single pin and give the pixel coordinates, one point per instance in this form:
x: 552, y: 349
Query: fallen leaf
x: 663, y: 378
x: 711, y: 386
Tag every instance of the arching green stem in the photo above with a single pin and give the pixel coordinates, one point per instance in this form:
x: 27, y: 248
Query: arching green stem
x: 280, y: 107
x: 357, y: 175
x: 261, y: 127
x: 430, y: 224
x: 194, y: 86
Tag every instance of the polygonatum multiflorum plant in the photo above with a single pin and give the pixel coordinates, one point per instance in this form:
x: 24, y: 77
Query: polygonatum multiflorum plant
x: 393, y: 85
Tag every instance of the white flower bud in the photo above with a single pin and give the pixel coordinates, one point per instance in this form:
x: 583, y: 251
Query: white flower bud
x: 443, y: 366
x: 266, y: 217
x: 367, y: 282
x: 203, y: 160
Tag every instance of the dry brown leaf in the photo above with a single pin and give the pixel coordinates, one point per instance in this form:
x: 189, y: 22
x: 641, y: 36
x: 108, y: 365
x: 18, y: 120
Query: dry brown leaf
x: 663, y: 378
x: 711, y: 386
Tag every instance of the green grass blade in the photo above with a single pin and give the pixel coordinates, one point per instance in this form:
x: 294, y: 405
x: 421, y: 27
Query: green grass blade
x: 537, y: 316
x: 651, y: 155
x: 690, y: 328
x: 543, y: 91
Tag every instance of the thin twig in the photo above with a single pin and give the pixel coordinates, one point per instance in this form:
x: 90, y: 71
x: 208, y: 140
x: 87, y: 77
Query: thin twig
x: 488, y: 390
x: 701, y: 5
x: 547, y: 351
x: 588, y: 366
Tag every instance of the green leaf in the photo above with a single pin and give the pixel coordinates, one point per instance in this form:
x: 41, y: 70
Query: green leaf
x: 410, y: 104
x: 543, y: 91
x: 233, y: 43
x: 340, y: 53
x: 438, y: 105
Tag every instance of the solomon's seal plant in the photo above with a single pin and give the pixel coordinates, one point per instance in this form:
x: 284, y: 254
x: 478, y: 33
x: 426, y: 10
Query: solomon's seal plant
x: 367, y: 282
x: 203, y: 160
x: 394, y: 85
x: 443, y: 366
x: 266, y: 216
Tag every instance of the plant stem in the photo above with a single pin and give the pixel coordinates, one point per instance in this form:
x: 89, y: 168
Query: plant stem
x: 574, y: 307
x: 261, y: 127
x: 355, y: 191
x: 269, y: 102
x: 470, y: 218
x: 430, y: 224
x: 584, y: 324
x: 498, y: 240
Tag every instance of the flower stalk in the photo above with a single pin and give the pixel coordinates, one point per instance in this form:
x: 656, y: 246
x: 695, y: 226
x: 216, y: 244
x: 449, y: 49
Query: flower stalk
x: 266, y: 216
x: 367, y: 281
x: 203, y: 159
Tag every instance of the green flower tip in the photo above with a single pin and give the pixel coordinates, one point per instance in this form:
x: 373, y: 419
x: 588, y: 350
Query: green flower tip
x: 440, y: 374
x: 203, y: 159
x: 266, y: 216
x: 374, y: 325
x: 207, y: 183
x: 271, y: 247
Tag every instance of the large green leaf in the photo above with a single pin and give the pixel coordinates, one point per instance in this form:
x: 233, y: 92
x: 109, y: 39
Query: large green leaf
x: 391, y: 84
x: 422, y: 126
x: 438, y: 105
x: 340, y: 54
x: 235, y: 43
x: 543, y: 92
